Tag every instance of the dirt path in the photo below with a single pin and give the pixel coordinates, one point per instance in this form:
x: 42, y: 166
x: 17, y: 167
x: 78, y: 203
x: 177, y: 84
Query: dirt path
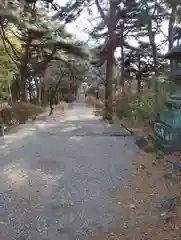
x: 150, y: 202
x: 58, y: 177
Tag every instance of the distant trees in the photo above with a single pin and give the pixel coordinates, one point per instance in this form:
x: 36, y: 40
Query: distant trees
x: 42, y: 39
x: 141, y: 21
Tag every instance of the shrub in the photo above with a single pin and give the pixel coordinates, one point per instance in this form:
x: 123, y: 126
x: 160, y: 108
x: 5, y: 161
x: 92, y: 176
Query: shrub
x: 122, y: 105
x: 23, y: 111
x: 7, y: 116
x: 69, y: 98
x: 142, y: 107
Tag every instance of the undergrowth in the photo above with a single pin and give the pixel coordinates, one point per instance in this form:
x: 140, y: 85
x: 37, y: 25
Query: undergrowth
x: 19, y: 113
x: 142, y: 107
x: 137, y: 107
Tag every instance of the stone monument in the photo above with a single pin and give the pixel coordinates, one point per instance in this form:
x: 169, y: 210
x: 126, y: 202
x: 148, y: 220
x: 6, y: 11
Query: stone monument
x: 167, y: 129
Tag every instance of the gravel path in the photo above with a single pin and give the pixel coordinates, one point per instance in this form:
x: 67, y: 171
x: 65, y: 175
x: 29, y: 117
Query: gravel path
x: 57, y: 184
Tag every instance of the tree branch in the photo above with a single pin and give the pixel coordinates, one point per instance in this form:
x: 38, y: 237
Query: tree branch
x: 7, y: 51
x: 3, y: 34
x: 101, y: 11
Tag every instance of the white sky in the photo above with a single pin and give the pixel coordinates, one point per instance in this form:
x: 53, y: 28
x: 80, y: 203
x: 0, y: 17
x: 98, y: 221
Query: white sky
x: 78, y: 28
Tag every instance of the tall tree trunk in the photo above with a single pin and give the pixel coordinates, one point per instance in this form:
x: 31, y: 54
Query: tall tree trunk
x: 51, y: 101
x: 110, y: 22
x: 24, y: 70
x: 151, y: 36
x: 138, y: 75
x: 171, y: 33
x: 155, y: 77
x: 110, y: 61
x: 108, y: 90
x: 39, y: 92
x: 44, y: 96
x: 15, y: 90
x: 53, y: 95
x: 24, y: 95
x: 122, y: 58
x: 10, y: 93
x: 39, y: 85
x: 30, y: 91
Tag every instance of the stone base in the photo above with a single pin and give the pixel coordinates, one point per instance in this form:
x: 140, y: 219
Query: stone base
x: 165, y: 146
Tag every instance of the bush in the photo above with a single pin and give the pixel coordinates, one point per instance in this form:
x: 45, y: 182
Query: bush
x: 137, y: 108
x: 7, y: 116
x: 69, y: 98
x: 19, y: 113
x: 142, y: 107
x: 122, y: 105
x: 23, y: 111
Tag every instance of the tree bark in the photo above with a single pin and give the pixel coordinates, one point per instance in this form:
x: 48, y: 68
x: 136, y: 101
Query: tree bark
x: 53, y: 94
x: 30, y: 91
x: 110, y: 61
x: 110, y: 22
x: 15, y: 90
x: 139, y: 75
x: 39, y: 86
x: 24, y: 70
x: 151, y: 36
x: 171, y: 33
x: 122, y: 58
x: 44, y: 96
